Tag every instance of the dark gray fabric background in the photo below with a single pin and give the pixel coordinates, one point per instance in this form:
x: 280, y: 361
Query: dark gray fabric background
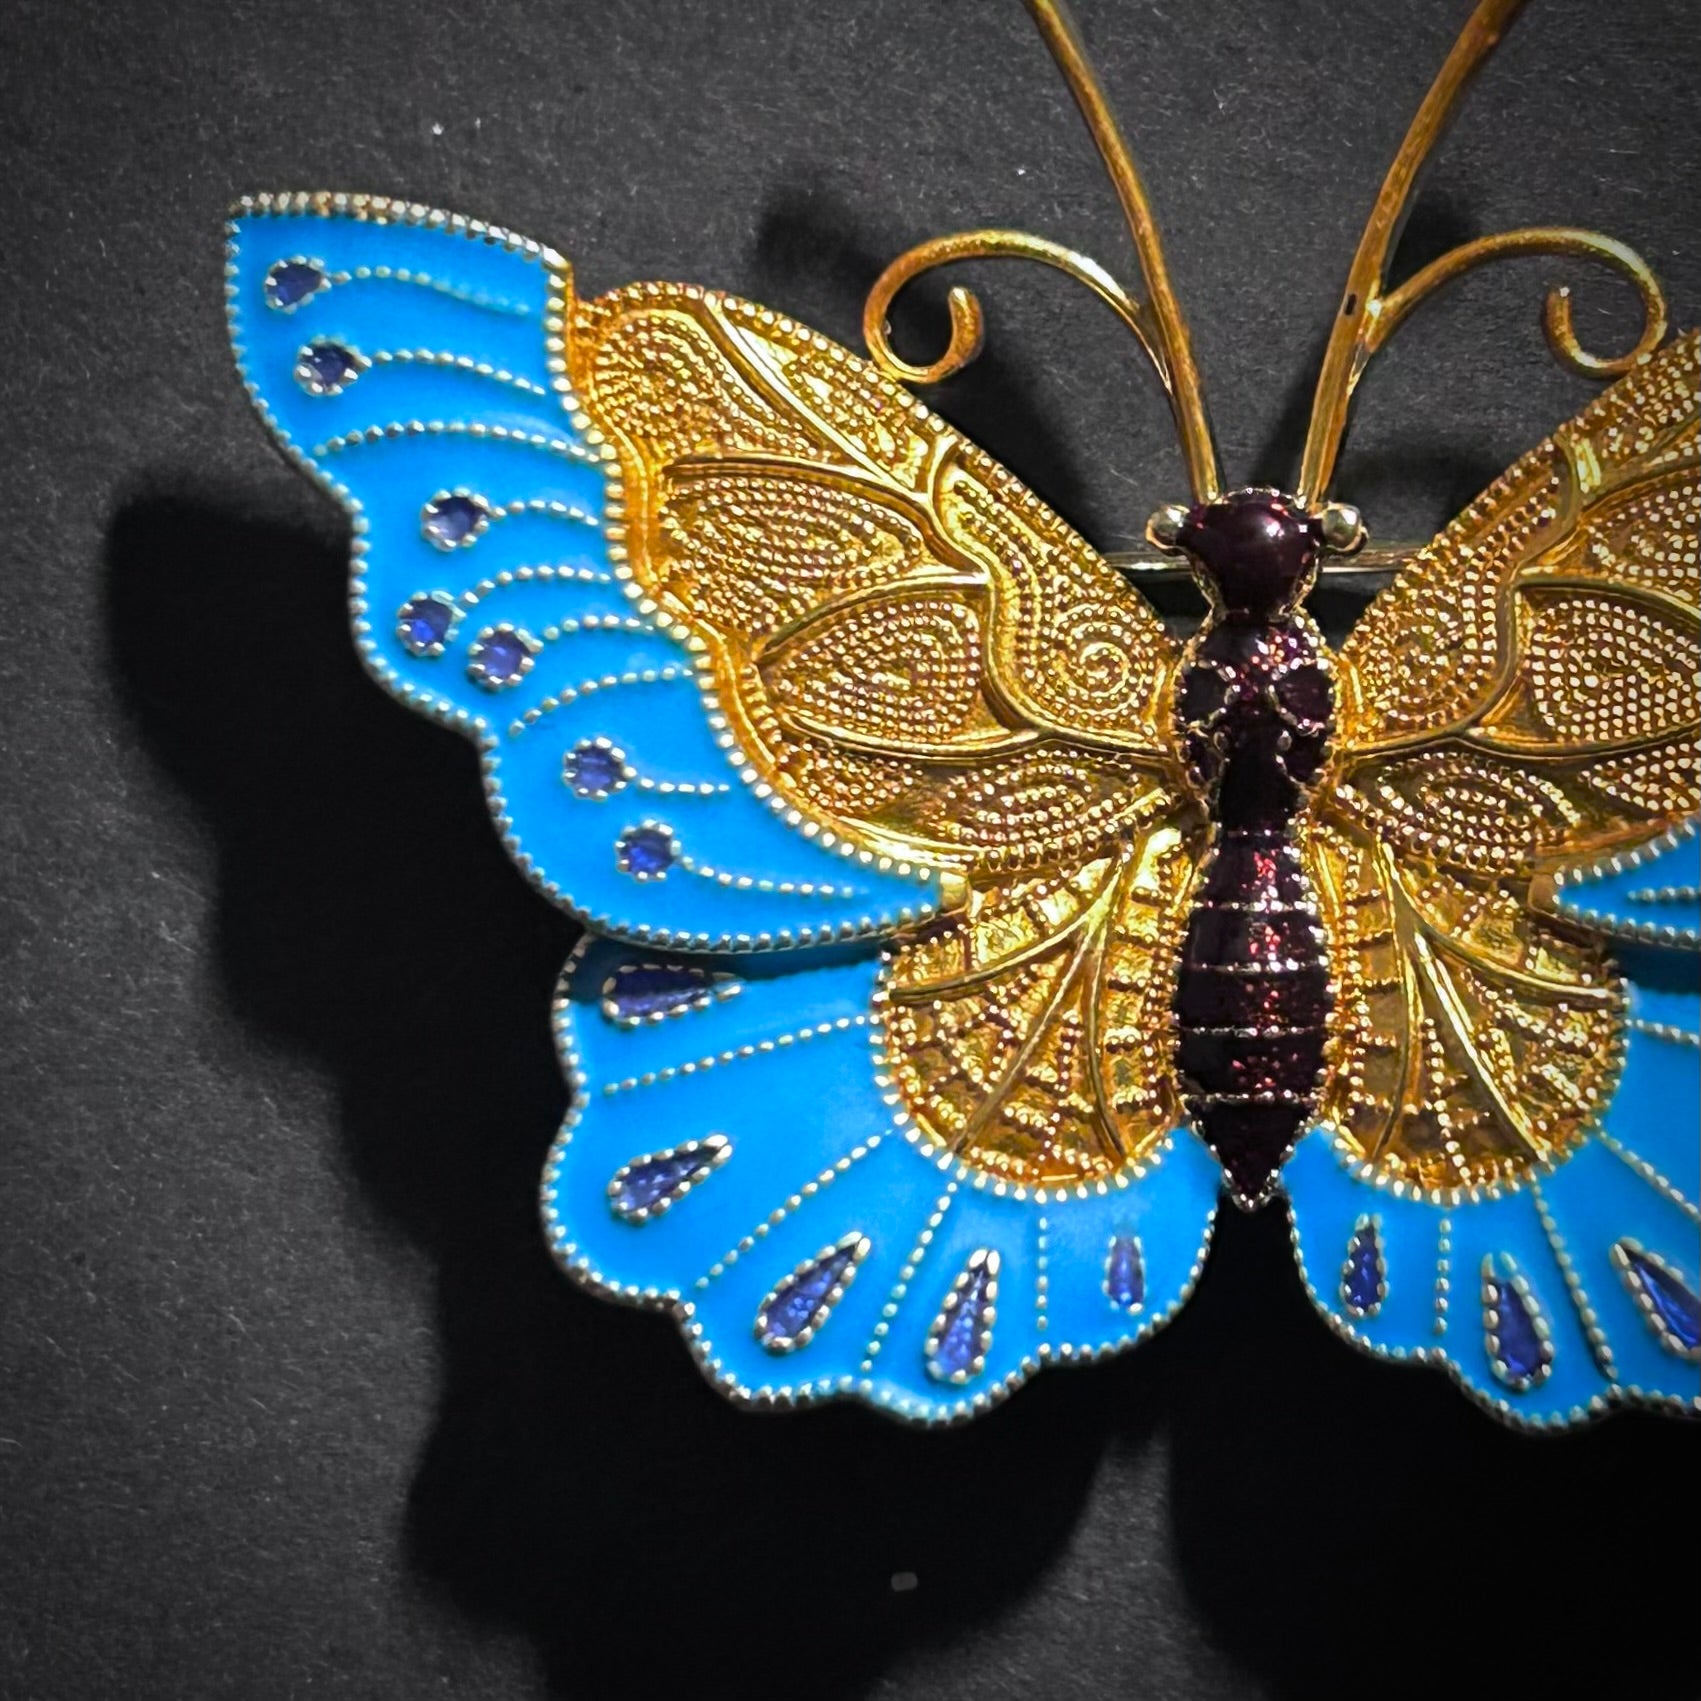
x: 291, y: 1401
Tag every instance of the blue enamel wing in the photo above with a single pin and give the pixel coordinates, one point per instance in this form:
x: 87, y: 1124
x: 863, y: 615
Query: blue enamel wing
x: 863, y: 772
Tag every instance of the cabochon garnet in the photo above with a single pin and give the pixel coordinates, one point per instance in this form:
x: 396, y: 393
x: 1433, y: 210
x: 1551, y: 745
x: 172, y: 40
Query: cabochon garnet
x: 1252, y: 709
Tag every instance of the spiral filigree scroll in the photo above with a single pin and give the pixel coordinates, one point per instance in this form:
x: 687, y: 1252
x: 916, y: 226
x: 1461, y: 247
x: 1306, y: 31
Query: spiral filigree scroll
x: 1157, y: 324
x: 968, y: 321
x: 1371, y: 312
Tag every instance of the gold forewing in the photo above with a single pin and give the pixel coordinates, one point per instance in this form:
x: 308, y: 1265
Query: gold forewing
x: 917, y: 657
x: 1524, y: 694
x: 907, y: 645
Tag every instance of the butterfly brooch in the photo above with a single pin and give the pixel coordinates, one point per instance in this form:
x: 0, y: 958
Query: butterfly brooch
x: 955, y: 937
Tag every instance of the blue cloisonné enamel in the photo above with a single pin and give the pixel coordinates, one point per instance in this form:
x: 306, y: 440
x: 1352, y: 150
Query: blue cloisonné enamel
x: 722, y: 1152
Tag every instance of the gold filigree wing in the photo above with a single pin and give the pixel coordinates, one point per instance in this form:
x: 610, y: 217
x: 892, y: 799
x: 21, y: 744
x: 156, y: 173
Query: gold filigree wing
x: 1527, y: 687
x: 907, y: 647
x: 1524, y: 694
x: 1031, y: 1033
x: 913, y: 655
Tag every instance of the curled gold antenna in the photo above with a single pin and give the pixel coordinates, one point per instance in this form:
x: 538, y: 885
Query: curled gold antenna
x: 1157, y: 323
x: 1370, y: 312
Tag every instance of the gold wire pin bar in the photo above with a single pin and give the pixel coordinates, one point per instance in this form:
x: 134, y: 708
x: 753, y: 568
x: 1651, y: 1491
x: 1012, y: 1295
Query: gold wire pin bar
x: 1375, y: 562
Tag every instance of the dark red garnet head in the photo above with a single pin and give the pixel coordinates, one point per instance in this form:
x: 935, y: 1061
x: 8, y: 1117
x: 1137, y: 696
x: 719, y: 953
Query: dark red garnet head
x: 1256, y: 548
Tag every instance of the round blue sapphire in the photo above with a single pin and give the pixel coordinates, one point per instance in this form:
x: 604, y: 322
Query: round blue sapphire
x: 291, y: 282
x: 594, y: 770
x: 500, y: 657
x: 449, y: 521
x: 325, y: 368
x: 424, y: 623
x: 647, y: 852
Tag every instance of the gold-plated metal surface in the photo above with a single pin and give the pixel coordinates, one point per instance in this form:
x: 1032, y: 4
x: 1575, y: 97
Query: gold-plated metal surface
x: 1031, y: 1034
x: 968, y: 321
x: 1374, y: 561
x: 909, y: 648
x: 913, y: 659
x: 1525, y: 694
x: 1370, y: 312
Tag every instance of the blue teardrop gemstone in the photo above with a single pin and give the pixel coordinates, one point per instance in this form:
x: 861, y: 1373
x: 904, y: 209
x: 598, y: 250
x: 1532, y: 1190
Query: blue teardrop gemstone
x: 1361, y: 1275
x: 424, y: 623
x: 500, y: 657
x: 1519, y: 1352
x: 641, y: 992
x: 451, y: 520
x: 645, y: 851
x: 801, y: 1302
x: 1125, y: 1274
x: 290, y: 282
x: 644, y: 1189
x: 1676, y: 1308
x: 593, y: 770
x: 326, y: 367
x: 962, y: 1332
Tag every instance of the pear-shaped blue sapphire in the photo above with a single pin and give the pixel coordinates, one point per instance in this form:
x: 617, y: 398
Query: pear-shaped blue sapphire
x: 643, y: 992
x: 593, y: 770
x: 424, y: 623
x: 291, y: 282
x: 1520, y: 1353
x: 1673, y: 1308
x: 1361, y: 1275
x: 647, y: 852
x: 449, y: 521
x: 643, y: 1189
x: 1125, y: 1274
x: 801, y: 1303
x: 326, y: 368
x: 962, y: 1332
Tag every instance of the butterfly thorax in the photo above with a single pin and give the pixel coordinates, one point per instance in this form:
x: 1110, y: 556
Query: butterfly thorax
x: 1252, y: 708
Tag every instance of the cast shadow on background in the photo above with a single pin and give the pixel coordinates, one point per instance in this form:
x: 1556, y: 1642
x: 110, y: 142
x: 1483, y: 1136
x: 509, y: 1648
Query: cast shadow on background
x: 1332, y: 1517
